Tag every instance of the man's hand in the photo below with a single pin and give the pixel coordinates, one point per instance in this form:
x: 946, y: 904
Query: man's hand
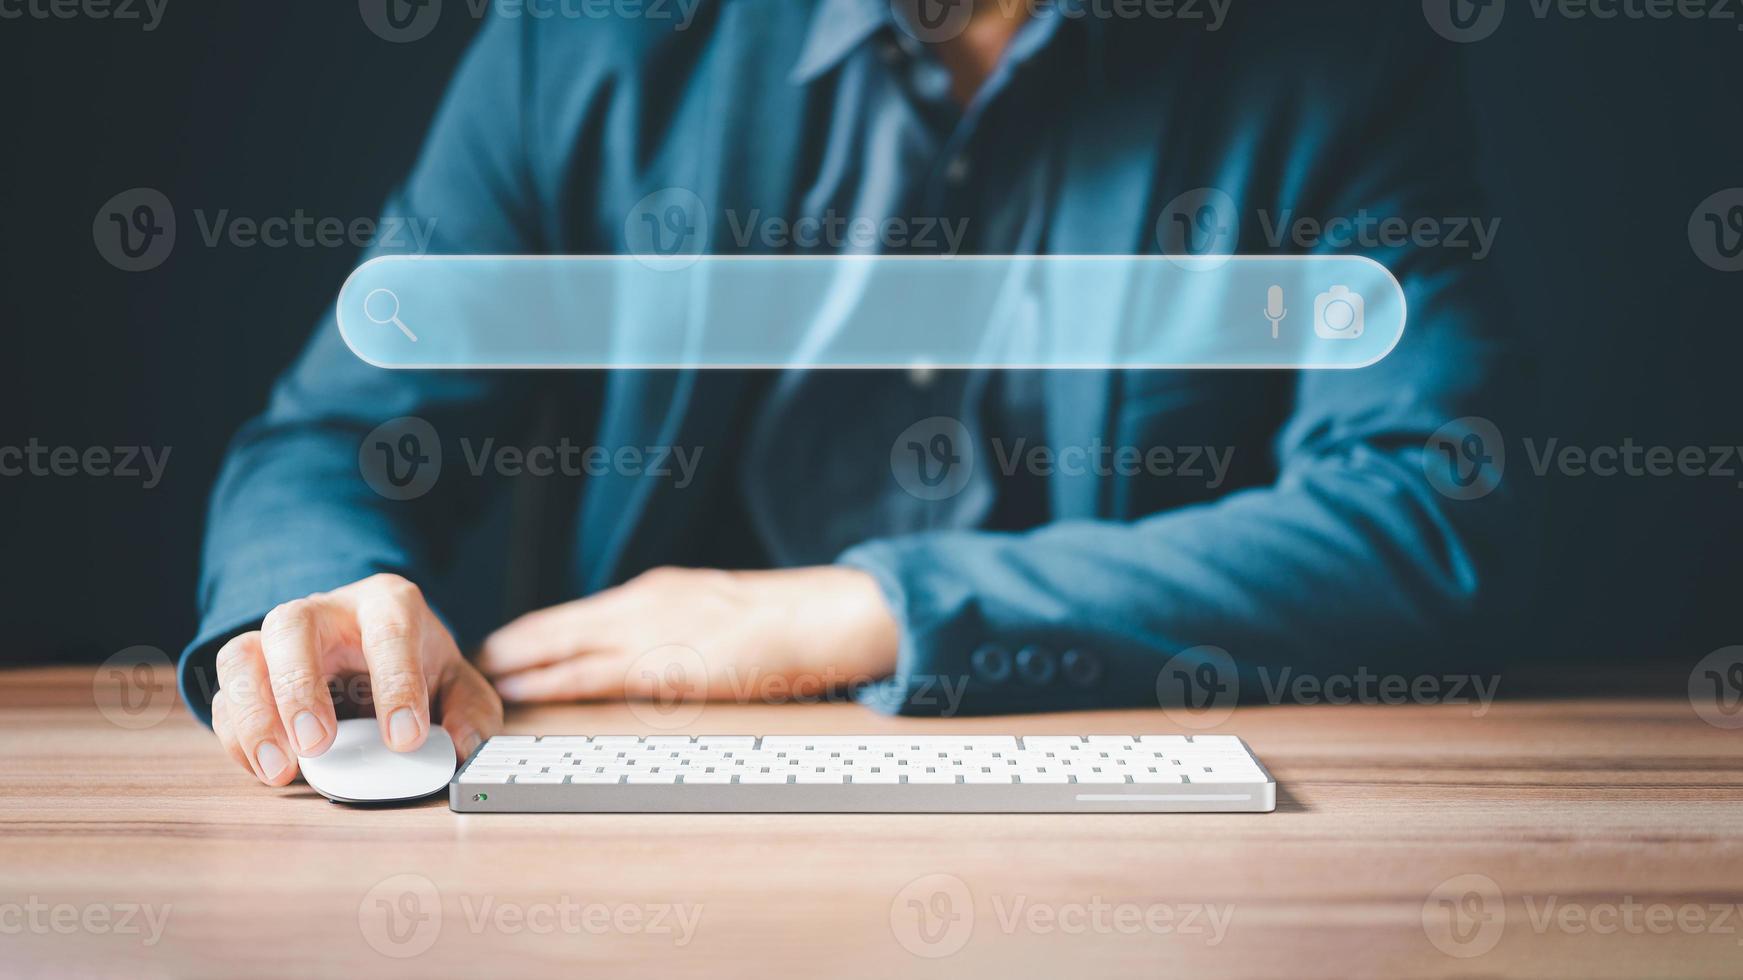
x: 378, y: 644
x: 806, y: 627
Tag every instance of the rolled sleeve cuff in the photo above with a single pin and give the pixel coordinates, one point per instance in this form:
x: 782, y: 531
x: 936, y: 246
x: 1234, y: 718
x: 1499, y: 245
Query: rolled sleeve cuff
x: 963, y: 653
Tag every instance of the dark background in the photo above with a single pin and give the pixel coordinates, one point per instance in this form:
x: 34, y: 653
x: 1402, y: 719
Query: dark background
x: 1600, y: 138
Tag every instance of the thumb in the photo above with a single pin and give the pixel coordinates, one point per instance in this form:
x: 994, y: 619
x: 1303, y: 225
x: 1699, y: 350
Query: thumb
x: 471, y: 711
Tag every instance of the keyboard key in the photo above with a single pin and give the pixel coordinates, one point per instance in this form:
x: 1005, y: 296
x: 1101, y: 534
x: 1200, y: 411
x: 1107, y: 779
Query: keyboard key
x: 1043, y: 743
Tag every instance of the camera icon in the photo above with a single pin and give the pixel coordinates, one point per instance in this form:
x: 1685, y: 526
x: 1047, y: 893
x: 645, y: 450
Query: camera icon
x: 1339, y: 314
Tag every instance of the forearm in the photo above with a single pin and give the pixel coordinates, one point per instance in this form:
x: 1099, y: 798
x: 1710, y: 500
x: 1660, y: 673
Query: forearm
x: 1341, y: 564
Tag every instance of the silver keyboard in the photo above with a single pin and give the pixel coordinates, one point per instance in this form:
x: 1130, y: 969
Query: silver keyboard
x: 862, y: 774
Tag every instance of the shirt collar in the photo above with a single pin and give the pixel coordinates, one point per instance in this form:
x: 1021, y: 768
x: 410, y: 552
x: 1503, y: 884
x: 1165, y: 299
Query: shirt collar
x: 837, y: 27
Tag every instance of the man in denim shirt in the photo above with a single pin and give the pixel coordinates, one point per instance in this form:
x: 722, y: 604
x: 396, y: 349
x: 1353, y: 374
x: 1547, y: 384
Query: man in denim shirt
x: 794, y: 555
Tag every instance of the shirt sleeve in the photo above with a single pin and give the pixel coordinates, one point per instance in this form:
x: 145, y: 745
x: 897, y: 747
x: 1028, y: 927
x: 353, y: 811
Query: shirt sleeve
x: 292, y: 512
x: 1349, y: 557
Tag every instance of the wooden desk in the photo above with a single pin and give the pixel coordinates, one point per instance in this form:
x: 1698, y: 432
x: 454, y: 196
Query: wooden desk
x: 1590, y: 804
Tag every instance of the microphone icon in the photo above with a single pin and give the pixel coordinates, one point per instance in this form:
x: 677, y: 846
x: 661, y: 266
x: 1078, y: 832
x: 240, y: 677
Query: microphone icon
x: 1274, y: 310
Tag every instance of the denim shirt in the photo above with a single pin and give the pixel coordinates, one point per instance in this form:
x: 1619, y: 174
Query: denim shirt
x: 1322, y: 540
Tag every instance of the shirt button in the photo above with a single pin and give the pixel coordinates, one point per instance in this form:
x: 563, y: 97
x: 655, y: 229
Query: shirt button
x: 992, y: 663
x: 1036, y: 666
x: 1082, y: 667
x: 957, y: 171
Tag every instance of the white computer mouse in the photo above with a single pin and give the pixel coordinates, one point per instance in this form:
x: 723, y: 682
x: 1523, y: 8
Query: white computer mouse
x: 360, y: 768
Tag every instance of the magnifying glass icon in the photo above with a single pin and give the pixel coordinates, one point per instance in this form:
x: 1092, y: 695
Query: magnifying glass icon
x: 382, y: 306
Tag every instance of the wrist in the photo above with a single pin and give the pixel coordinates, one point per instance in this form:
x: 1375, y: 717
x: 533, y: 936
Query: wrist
x: 875, y: 635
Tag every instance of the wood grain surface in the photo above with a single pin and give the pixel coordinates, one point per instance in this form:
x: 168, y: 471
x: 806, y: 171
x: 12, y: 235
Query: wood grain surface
x: 1592, y: 837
